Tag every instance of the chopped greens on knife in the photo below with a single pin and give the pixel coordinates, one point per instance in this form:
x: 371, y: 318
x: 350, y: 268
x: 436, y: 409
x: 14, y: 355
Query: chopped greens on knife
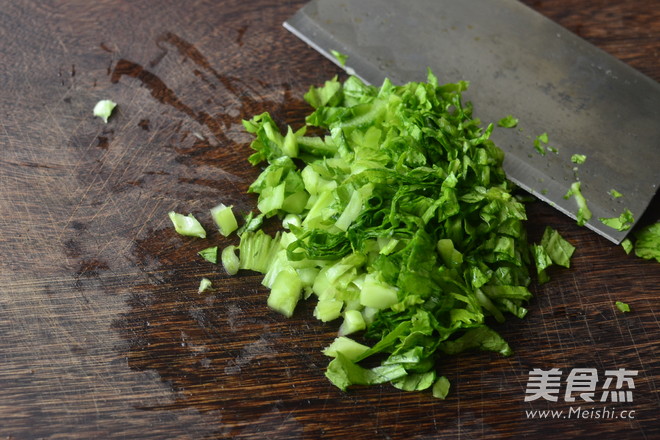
x: 508, y: 122
x: 584, y: 213
x: 620, y: 223
x: 615, y: 194
x: 539, y: 142
x: 401, y: 224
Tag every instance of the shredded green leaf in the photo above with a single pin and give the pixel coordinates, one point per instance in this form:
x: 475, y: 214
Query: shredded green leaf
x: 340, y: 57
x: 620, y: 223
x: 553, y: 249
x: 558, y: 249
x: 583, y: 213
x: 539, y: 143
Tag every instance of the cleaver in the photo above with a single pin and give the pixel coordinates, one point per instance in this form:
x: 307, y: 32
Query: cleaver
x: 518, y: 63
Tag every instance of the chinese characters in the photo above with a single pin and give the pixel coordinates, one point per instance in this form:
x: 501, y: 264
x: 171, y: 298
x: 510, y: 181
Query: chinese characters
x: 580, y: 383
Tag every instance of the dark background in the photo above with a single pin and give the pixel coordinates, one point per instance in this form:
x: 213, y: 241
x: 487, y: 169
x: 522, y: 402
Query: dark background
x: 102, y: 331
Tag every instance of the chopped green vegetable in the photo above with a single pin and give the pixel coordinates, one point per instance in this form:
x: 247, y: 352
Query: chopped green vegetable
x: 103, y: 109
x: 187, y: 225
x: 620, y: 223
x: 340, y: 57
x: 622, y: 306
x: 647, y: 244
x: 539, y: 142
x: 251, y: 223
x: 627, y: 245
x: 441, y: 387
x: 344, y: 373
x: 224, y: 219
x: 257, y: 251
x: 210, y: 254
x: 508, y: 122
x: 542, y: 261
x: 553, y: 249
x: 615, y: 194
x: 353, y: 322
x: 204, y: 285
x: 558, y: 249
x: 285, y: 292
x: 583, y: 214
x: 229, y: 260
x: 578, y: 158
x: 402, y: 222
x: 351, y: 349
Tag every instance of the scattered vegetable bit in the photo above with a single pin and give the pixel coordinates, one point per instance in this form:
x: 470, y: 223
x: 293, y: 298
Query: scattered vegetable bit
x: 622, y: 306
x: 103, y: 109
x: 627, y: 245
x: 351, y: 349
x: 187, y: 225
x: 553, y: 249
x: 340, y: 57
x: 615, y: 194
x: 210, y: 254
x: 541, y: 140
x: 647, y: 244
x: 620, y: 223
x: 578, y: 158
x: 204, y: 285
x: 583, y: 214
x: 508, y: 122
x: 224, y: 219
x: 441, y: 387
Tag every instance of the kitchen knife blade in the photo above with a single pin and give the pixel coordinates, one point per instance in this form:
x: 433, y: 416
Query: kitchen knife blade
x: 518, y: 63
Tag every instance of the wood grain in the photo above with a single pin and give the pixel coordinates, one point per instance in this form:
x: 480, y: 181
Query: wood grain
x: 102, y: 331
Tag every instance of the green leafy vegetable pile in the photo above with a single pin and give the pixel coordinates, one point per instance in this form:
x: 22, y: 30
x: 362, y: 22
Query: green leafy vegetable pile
x: 398, y: 221
x: 647, y: 244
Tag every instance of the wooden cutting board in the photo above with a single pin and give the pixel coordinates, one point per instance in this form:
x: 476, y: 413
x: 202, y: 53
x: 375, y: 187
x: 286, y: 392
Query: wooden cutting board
x: 102, y: 331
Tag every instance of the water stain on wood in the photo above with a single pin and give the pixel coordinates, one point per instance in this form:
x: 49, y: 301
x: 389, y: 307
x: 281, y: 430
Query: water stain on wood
x: 204, y: 346
x: 102, y: 142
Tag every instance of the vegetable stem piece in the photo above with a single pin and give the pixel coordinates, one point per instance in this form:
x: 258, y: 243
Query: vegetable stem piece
x: 187, y: 225
x: 224, y: 219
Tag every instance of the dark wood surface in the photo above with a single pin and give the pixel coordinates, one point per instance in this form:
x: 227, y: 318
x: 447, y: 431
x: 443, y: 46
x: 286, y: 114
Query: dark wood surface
x: 102, y: 332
